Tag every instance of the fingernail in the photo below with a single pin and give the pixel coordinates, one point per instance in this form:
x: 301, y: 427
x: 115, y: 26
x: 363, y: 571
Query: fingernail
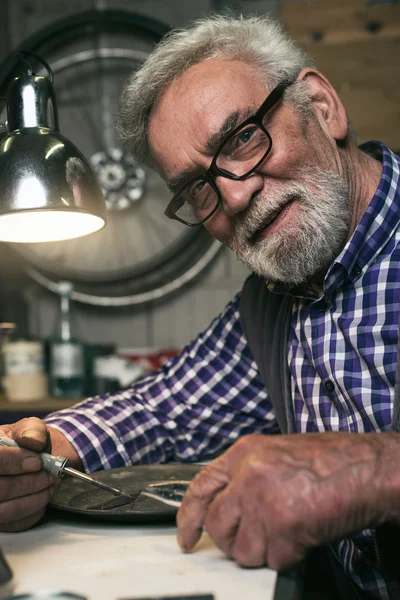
x: 34, y: 434
x: 181, y: 543
x: 32, y: 463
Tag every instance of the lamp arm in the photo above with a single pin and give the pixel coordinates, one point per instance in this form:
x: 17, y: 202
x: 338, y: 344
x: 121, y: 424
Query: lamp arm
x: 20, y: 55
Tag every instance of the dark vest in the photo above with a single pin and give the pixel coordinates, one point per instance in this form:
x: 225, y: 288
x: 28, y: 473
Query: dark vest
x: 266, y: 318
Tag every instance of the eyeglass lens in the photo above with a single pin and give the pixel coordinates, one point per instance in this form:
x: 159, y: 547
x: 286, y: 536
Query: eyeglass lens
x: 239, y: 156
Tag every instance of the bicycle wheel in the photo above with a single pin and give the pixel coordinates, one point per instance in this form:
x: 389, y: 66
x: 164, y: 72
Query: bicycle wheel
x: 140, y: 257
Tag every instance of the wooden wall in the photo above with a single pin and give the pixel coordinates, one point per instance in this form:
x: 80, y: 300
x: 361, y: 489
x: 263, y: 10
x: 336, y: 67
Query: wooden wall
x: 356, y: 44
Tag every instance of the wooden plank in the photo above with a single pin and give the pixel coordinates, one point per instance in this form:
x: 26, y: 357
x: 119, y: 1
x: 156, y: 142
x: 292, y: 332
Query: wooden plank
x: 365, y: 72
x: 340, y: 21
x: 366, y: 77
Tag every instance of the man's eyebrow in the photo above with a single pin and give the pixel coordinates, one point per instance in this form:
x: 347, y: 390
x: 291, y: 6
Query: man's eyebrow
x: 178, y: 181
x: 213, y: 143
x: 231, y: 122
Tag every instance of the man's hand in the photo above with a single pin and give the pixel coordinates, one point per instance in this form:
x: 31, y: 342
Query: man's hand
x: 25, y: 489
x: 270, y: 499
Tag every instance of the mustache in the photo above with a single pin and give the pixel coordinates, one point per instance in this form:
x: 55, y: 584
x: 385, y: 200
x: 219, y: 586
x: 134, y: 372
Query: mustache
x: 266, y: 204
x: 303, y: 245
x: 264, y: 208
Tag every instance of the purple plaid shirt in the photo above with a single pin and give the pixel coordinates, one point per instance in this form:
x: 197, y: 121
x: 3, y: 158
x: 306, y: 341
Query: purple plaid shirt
x: 342, y: 354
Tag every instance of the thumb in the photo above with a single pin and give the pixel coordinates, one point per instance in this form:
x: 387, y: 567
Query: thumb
x: 31, y: 433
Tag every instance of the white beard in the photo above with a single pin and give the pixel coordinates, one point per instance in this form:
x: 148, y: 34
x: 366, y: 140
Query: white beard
x: 296, y: 251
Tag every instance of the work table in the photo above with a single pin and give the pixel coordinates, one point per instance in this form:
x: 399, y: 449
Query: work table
x: 111, y: 561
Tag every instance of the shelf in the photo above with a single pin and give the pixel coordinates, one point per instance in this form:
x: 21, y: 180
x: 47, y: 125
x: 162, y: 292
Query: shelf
x: 47, y: 404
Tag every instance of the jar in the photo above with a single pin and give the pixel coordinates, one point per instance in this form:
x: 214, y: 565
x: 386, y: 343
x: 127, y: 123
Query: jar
x: 24, y: 379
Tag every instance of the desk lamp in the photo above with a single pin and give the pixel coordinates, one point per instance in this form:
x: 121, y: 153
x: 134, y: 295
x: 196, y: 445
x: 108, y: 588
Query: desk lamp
x: 47, y: 189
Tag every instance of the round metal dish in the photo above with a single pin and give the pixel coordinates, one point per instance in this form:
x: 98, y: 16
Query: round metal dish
x: 75, y: 497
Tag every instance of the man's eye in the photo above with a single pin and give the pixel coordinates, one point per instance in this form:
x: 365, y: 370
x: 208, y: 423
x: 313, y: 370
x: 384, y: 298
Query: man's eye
x: 200, y: 194
x: 197, y: 188
x: 243, y: 141
x: 244, y: 136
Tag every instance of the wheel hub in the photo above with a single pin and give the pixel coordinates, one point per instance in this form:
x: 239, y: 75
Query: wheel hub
x: 121, y: 179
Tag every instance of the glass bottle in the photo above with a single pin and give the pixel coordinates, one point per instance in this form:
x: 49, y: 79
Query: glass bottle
x: 67, y: 362
x: 6, y: 331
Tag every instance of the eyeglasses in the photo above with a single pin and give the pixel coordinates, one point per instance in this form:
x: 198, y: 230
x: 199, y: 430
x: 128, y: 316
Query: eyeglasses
x: 239, y: 155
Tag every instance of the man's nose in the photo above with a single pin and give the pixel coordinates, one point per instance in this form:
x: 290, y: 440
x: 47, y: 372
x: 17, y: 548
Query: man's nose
x: 237, y: 195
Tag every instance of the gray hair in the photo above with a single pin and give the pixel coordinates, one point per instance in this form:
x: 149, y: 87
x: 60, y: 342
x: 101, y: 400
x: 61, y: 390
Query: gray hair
x: 258, y: 41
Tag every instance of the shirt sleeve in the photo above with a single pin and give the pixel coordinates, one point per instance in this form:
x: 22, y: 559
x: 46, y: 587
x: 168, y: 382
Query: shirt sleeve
x: 197, y: 404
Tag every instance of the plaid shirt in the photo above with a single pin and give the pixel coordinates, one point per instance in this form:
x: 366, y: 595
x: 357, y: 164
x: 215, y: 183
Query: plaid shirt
x: 342, y: 356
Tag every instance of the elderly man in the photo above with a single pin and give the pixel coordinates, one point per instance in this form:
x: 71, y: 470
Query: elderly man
x: 255, y: 144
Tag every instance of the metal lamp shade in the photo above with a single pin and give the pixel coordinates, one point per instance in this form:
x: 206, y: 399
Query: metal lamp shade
x: 47, y: 189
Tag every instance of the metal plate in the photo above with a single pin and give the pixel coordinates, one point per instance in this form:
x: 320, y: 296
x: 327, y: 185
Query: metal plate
x: 76, y: 497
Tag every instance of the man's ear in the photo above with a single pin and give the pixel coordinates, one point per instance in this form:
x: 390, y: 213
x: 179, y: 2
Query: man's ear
x: 327, y: 104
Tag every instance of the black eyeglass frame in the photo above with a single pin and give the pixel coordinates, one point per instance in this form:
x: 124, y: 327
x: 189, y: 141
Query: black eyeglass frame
x: 214, y: 171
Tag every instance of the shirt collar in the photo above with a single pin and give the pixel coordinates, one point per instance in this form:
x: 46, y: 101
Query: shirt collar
x: 378, y: 224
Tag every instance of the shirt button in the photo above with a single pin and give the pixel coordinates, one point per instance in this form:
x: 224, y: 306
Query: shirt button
x: 357, y: 270
x: 329, y: 386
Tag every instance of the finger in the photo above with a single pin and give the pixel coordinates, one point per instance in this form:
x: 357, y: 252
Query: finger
x: 249, y: 548
x: 17, y: 486
x: 31, y: 433
x: 14, y: 461
x: 24, y: 523
x: 223, y: 520
x: 200, y: 494
x: 20, y: 509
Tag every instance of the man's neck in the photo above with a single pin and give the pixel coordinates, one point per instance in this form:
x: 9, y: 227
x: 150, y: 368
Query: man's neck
x: 363, y: 173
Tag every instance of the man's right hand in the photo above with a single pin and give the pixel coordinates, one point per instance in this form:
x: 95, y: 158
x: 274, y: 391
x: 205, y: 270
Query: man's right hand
x: 25, y: 489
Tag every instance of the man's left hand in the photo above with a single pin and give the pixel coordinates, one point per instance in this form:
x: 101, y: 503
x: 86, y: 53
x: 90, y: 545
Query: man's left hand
x: 269, y: 499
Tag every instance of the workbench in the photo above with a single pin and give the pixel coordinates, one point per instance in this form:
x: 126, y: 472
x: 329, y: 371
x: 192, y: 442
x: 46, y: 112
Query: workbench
x: 111, y: 561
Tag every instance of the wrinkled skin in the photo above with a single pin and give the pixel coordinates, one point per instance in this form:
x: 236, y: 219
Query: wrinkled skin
x: 270, y: 499
x: 25, y: 489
